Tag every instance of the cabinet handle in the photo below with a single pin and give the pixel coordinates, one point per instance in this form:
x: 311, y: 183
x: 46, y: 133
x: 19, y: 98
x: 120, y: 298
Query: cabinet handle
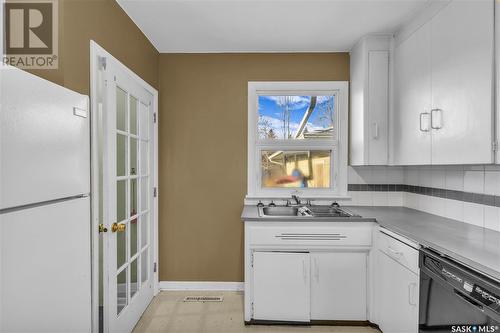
x: 395, y: 254
x: 316, y: 269
x: 375, y: 131
x: 411, y: 294
x: 437, y: 118
x: 426, y: 127
x: 304, y: 270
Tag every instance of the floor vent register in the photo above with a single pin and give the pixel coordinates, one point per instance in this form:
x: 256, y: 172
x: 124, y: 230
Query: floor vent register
x: 203, y: 299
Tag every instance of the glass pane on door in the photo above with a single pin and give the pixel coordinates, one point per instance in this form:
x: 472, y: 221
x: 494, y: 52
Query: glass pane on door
x: 133, y: 157
x: 144, y: 229
x: 133, y: 115
x: 121, y: 295
x: 121, y: 109
x: 133, y: 237
x: 144, y: 265
x: 144, y: 193
x: 121, y: 153
x: 144, y: 121
x: 121, y: 248
x: 133, y: 197
x: 121, y: 200
x: 144, y: 158
x: 134, y: 286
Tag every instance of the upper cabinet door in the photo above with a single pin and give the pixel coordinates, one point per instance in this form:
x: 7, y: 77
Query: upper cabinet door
x: 412, y: 136
x: 378, y: 106
x: 462, y: 83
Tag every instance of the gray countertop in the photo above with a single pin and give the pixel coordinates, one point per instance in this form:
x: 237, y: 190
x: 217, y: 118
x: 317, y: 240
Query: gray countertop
x: 476, y: 247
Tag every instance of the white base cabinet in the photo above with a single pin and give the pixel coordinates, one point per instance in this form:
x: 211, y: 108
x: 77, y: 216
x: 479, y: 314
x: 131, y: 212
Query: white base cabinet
x: 281, y: 286
x: 299, y: 287
x: 338, y: 285
x: 398, y: 311
x: 397, y: 286
x: 318, y: 273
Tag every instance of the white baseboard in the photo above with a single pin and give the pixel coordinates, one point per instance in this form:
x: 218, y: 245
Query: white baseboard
x: 201, y: 285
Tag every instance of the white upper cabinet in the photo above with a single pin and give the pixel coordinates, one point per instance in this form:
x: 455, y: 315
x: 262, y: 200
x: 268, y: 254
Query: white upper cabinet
x: 462, y: 83
x: 497, y: 72
x: 412, y: 105
x: 369, y: 101
x: 443, y: 105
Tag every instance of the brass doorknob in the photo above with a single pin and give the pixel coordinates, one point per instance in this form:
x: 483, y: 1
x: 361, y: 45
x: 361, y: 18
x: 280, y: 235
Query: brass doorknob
x: 120, y: 227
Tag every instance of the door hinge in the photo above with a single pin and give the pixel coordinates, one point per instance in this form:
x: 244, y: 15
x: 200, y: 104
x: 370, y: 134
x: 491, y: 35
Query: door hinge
x: 154, y: 267
x: 155, y: 192
x: 494, y: 145
x: 154, y: 117
x: 251, y: 261
x: 252, y: 310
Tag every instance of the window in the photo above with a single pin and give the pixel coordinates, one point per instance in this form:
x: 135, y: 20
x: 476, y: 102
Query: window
x: 297, y: 139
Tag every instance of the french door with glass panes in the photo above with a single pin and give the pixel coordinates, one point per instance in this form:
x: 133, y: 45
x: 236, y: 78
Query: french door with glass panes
x: 128, y: 199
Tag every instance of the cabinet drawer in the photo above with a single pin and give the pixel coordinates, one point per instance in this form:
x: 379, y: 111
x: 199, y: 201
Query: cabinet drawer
x: 351, y: 235
x: 399, y: 251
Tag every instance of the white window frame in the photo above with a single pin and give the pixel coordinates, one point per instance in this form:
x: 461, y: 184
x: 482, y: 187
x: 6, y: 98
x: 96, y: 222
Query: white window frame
x: 338, y: 145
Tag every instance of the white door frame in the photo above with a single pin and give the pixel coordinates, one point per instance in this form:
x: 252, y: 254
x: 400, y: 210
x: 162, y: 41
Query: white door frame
x: 96, y: 54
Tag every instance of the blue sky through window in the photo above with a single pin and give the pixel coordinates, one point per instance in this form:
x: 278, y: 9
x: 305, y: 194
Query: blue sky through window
x: 280, y: 116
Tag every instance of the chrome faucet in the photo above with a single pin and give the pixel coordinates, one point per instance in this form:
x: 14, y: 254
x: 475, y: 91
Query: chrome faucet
x: 294, y: 198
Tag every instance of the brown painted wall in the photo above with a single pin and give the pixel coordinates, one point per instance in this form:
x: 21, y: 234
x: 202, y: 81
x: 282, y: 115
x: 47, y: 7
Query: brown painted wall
x: 106, y: 23
x: 202, y: 151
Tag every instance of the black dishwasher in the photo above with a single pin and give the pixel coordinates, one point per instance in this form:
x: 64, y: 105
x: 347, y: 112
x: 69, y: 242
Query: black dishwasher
x: 454, y: 298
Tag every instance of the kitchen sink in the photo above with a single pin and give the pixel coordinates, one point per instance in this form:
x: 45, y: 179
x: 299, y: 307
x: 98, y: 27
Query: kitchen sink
x: 315, y: 211
x: 280, y: 211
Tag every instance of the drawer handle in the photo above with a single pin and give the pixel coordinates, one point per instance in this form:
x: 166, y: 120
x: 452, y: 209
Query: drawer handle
x: 411, y: 294
x: 304, y: 270
x: 316, y: 269
x: 426, y: 127
x: 395, y: 254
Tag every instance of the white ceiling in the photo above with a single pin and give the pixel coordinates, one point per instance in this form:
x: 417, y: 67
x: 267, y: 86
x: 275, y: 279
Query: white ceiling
x: 198, y: 26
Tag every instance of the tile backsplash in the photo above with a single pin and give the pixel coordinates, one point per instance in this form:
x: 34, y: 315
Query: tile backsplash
x: 465, y: 193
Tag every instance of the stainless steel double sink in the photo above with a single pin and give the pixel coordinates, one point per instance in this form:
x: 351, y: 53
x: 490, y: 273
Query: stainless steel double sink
x: 316, y: 211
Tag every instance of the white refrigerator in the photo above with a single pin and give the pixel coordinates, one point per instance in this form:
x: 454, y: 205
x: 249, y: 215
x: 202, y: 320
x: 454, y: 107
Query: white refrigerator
x: 45, y: 238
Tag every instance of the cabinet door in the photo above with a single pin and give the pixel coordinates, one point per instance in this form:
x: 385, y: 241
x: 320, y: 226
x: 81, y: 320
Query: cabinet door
x: 412, y: 136
x: 397, y: 296
x: 281, y: 286
x: 378, y: 105
x: 338, y: 286
x: 462, y: 78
